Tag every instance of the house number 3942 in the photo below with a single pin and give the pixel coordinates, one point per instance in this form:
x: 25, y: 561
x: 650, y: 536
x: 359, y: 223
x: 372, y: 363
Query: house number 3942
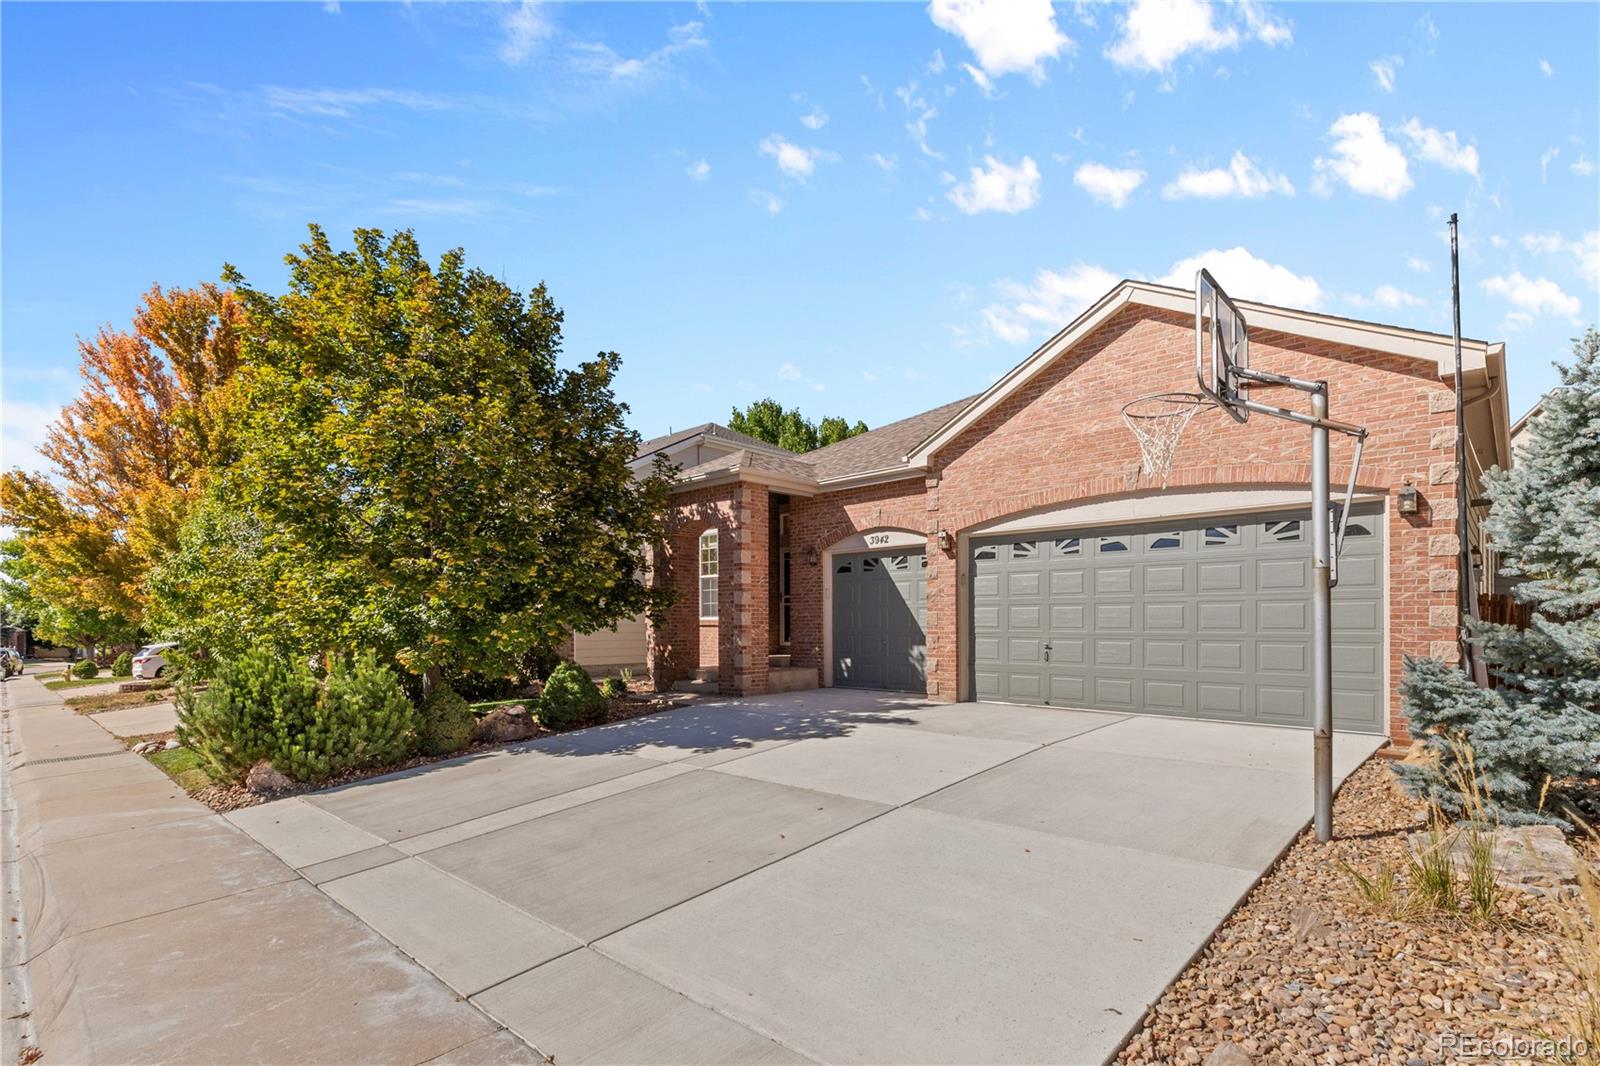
x: 875, y: 539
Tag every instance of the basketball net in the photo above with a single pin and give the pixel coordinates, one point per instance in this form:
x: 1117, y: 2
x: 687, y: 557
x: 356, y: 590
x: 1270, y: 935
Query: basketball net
x: 1158, y: 422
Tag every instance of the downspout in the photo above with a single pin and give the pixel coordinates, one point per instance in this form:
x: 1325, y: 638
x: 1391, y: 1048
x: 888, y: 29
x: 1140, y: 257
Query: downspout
x: 1466, y: 585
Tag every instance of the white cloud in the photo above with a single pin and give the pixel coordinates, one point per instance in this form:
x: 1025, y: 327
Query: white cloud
x: 1420, y: 265
x: 1584, y: 252
x: 526, y: 28
x: 1155, y: 34
x: 342, y: 103
x: 1384, y: 70
x: 921, y: 113
x: 1242, y: 178
x: 885, y: 163
x: 1247, y: 277
x: 1533, y: 296
x: 1546, y: 69
x: 795, y: 161
x: 22, y: 430
x: 935, y: 62
x: 1363, y: 159
x: 1582, y: 167
x: 1549, y: 156
x: 979, y: 78
x: 1385, y: 296
x: 814, y: 119
x: 1005, y: 36
x: 998, y: 187
x: 1106, y: 185
x: 789, y: 372
x: 1044, y: 305
x: 770, y: 201
x: 1441, y: 147
x: 600, y: 60
x: 699, y: 170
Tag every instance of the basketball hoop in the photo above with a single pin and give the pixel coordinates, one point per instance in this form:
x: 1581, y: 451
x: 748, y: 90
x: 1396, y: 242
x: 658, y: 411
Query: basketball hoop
x: 1157, y: 422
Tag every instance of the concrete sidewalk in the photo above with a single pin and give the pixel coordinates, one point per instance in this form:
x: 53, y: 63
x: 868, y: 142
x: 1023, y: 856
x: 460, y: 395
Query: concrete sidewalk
x: 142, y: 927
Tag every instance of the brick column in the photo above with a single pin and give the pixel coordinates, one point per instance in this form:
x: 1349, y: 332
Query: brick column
x: 744, y: 635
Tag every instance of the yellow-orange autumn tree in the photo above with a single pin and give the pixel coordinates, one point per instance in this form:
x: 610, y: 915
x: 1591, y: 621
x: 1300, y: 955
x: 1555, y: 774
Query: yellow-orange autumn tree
x: 126, y: 459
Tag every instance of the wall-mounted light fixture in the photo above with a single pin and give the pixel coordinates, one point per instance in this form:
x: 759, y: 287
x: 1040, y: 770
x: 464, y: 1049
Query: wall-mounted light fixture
x: 1408, y: 499
x: 811, y: 555
x: 944, y: 540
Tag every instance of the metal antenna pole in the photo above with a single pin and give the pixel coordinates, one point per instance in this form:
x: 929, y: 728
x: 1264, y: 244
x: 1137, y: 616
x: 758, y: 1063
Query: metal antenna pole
x: 1321, y: 619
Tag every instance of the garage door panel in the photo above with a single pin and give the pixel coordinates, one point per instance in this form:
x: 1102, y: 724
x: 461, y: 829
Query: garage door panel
x: 1206, y: 618
x: 1068, y: 617
x: 1165, y: 615
x: 1221, y: 577
x: 1275, y: 574
x: 1113, y: 652
x: 1166, y: 654
x: 1114, y: 692
x: 1220, y: 654
x: 1293, y: 616
x: 987, y: 683
x: 1221, y: 615
x: 1023, y: 650
x: 1275, y: 657
x: 1066, y: 583
x: 986, y: 650
x: 1113, y: 616
x: 1071, y: 652
x: 1166, y: 578
x: 880, y: 619
x: 1069, y: 690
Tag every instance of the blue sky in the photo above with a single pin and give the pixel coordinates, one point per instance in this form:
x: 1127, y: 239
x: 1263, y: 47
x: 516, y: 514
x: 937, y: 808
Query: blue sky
x: 866, y: 210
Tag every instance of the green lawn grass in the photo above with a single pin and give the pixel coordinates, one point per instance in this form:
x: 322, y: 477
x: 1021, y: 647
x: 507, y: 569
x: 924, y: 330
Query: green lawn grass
x: 183, y: 766
x: 79, y: 682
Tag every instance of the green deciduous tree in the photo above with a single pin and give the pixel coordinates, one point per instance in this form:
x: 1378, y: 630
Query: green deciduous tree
x: 413, y: 472
x: 770, y: 421
x: 1541, y: 725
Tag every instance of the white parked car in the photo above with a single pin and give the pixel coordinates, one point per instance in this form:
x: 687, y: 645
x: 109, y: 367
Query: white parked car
x: 151, y: 660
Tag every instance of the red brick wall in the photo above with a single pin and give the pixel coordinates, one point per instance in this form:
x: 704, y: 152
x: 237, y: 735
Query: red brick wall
x: 1061, y: 440
x: 684, y: 644
x: 818, y: 522
x: 744, y: 594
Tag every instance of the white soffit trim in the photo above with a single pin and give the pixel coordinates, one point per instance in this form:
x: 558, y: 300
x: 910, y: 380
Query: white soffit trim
x: 1156, y: 507
x: 1436, y: 348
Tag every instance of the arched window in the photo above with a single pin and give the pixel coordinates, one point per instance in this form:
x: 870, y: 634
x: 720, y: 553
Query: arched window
x: 708, y: 574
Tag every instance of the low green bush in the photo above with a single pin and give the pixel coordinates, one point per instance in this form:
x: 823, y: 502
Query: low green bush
x: 613, y: 688
x: 265, y: 705
x: 85, y: 669
x: 123, y: 665
x: 570, y: 699
x: 447, y: 721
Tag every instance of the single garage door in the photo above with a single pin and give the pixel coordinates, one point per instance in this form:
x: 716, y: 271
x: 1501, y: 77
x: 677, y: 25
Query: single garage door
x: 1206, y: 618
x: 879, y: 617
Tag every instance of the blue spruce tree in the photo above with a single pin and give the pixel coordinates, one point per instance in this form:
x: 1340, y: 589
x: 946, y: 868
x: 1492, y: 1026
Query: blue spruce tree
x: 1539, y: 730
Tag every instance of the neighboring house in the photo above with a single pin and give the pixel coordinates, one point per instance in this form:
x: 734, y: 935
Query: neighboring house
x: 623, y: 647
x: 1005, y: 546
x: 1519, y: 429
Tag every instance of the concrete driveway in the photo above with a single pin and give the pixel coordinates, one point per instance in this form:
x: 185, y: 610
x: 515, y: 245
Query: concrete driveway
x: 831, y: 875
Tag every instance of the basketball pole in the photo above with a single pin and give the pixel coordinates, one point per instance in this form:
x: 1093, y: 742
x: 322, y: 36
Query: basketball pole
x: 1321, y: 618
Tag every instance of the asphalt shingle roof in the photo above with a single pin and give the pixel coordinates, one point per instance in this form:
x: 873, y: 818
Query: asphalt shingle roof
x: 883, y: 448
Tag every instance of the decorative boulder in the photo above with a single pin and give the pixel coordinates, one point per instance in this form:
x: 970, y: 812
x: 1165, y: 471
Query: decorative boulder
x: 503, y: 724
x: 263, y: 779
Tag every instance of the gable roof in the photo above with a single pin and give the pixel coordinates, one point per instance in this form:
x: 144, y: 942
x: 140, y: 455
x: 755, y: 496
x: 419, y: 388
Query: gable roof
x: 714, y: 430
x: 1479, y: 359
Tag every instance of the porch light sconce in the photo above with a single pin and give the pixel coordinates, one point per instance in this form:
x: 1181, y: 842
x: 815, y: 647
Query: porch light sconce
x: 1410, y: 501
x: 944, y: 540
x: 811, y: 555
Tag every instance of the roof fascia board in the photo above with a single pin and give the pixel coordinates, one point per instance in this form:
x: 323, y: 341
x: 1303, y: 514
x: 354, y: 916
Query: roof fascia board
x: 789, y: 484
x: 1430, y: 347
x: 872, y: 477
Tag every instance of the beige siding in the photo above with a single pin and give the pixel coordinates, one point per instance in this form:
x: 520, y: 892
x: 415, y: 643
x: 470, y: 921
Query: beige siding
x: 622, y: 646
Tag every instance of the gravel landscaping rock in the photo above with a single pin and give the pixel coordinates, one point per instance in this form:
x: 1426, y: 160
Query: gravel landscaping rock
x: 264, y: 780
x: 1307, y: 971
x: 503, y: 725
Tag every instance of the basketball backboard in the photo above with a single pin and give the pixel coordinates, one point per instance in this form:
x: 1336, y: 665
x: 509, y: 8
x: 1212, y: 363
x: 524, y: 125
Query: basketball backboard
x: 1221, y: 345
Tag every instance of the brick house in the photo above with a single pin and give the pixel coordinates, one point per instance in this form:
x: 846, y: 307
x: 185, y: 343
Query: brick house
x: 1006, y: 547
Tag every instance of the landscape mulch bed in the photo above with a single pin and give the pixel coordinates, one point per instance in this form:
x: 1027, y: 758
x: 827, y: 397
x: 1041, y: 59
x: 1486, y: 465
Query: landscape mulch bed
x: 1307, y: 971
x: 229, y: 797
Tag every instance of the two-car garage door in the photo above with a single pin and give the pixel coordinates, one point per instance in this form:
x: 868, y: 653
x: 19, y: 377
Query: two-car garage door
x: 1206, y: 618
